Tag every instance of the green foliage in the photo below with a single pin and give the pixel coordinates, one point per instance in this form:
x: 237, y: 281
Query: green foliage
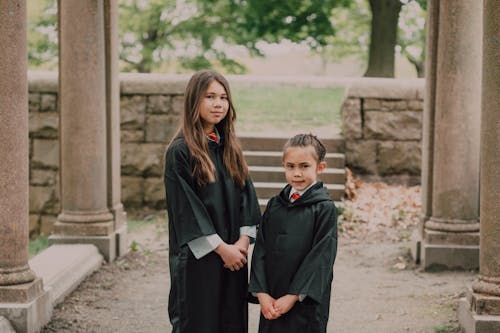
x: 352, y: 25
x: 447, y: 328
x: 42, y: 36
x: 38, y: 244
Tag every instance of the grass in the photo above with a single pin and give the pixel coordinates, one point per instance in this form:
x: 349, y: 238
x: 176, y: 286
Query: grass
x: 37, y: 245
x: 287, y: 107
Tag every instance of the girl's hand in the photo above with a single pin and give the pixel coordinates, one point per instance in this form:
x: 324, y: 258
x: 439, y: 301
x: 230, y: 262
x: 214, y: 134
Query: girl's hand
x: 267, y: 306
x: 231, y: 256
x: 285, y: 303
x: 243, y: 243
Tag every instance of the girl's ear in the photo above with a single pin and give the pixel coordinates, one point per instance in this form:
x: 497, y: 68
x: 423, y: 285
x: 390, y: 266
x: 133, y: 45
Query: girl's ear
x: 321, y: 167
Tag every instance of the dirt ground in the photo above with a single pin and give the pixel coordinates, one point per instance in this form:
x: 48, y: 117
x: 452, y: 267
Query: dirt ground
x: 376, y: 287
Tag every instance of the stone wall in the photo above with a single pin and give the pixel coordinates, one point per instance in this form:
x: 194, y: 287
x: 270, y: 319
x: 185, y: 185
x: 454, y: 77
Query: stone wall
x: 382, y: 127
x: 150, y: 111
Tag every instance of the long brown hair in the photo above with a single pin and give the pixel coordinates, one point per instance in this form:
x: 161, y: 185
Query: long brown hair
x: 191, y: 127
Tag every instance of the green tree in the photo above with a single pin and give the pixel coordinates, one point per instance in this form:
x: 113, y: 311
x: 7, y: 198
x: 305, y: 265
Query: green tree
x: 353, y: 26
x: 196, y: 33
x: 383, y: 37
x: 42, y: 36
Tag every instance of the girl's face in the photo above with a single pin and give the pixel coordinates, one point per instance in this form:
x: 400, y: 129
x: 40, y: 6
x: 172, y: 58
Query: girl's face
x: 301, y: 166
x: 214, y: 106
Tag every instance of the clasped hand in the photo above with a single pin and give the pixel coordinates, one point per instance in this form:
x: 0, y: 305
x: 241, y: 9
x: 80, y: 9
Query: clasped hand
x: 234, y: 255
x: 273, y: 308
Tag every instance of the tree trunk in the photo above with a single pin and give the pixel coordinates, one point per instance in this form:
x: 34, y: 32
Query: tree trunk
x: 384, y: 28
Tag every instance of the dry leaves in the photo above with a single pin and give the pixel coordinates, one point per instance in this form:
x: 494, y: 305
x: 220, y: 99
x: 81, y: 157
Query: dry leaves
x: 378, y: 210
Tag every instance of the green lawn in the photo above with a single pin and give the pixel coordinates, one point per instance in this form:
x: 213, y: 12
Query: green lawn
x: 287, y: 108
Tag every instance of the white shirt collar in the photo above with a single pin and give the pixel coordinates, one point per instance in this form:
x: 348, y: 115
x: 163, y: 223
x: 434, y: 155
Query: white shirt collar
x: 292, y: 191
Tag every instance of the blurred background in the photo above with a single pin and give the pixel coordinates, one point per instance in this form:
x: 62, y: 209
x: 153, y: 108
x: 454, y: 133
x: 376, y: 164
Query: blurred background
x: 328, y: 38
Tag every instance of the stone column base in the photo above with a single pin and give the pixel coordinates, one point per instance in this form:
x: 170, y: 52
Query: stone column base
x: 439, y: 251
x: 28, y: 317
x: 111, y: 246
x: 471, y: 322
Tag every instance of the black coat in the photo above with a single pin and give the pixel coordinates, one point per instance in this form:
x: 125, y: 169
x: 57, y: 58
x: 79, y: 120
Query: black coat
x: 294, y: 254
x: 204, y: 296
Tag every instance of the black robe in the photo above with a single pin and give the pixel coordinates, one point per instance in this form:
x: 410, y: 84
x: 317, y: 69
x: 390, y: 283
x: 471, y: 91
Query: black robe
x: 204, y: 296
x: 294, y: 254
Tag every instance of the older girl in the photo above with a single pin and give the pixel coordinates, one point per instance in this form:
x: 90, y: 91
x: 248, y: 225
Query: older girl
x: 212, y: 210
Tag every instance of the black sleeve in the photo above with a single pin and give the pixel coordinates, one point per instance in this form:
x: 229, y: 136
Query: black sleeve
x: 315, y: 272
x: 187, y: 213
x: 258, y: 280
x: 249, y: 209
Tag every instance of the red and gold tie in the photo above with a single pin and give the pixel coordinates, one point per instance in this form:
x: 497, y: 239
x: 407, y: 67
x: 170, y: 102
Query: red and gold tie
x: 213, y: 137
x: 295, y: 196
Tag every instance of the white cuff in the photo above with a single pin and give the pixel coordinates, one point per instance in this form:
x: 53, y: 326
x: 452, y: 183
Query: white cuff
x: 203, y: 245
x: 250, y: 231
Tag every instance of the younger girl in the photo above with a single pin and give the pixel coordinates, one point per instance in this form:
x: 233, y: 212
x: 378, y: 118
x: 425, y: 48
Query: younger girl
x: 212, y: 210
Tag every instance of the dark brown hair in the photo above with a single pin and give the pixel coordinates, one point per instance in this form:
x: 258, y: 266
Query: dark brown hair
x: 191, y: 127
x: 304, y: 140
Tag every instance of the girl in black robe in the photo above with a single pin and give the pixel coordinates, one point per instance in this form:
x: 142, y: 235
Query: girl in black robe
x: 213, y: 212
x: 292, y: 262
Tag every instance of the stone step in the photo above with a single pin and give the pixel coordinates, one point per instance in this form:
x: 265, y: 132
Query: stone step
x: 271, y: 143
x: 268, y: 190
x: 274, y: 158
x: 276, y: 174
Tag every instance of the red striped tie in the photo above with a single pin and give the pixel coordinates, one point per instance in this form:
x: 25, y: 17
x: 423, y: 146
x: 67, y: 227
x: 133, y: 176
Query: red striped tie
x: 295, y: 196
x: 213, y: 137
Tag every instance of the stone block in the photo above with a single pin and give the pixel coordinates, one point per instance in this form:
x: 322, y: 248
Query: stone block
x: 394, y: 105
x: 132, y: 136
x: 416, y: 105
x: 161, y: 128
x: 361, y: 156
x: 459, y: 238
x: 154, y: 193
x: 449, y: 257
x: 177, y: 105
x: 28, y: 317
x: 48, y: 103
x: 41, y: 177
x: 132, y: 190
x: 47, y: 224
x: 44, y: 125
x: 132, y: 112
x: 161, y: 104
x: 396, y: 157
x: 45, y: 154
x: 471, y: 322
x: 5, y: 326
x: 42, y: 199
x: 34, y: 225
x: 372, y: 104
x: 64, y: 267
x: 34, y: 102
x: 142, y: 159
x: 351, y: 119
x: 403, y: 125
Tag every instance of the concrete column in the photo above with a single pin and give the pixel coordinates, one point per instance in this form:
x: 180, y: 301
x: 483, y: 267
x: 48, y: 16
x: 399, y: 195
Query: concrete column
x: 85, y: 128
x: 480, y: 312
x: 451, y: 234
x: 113, y: 125
x: 20, y: 289
x: 432, y: 26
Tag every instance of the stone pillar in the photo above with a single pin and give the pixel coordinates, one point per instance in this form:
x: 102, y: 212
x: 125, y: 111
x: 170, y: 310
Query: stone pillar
x: 428, y: 123
x: 20, y: 289
x: 480, y: 312
x: 113, y: 125
x: 87, y: 128
x: 451, y: 234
